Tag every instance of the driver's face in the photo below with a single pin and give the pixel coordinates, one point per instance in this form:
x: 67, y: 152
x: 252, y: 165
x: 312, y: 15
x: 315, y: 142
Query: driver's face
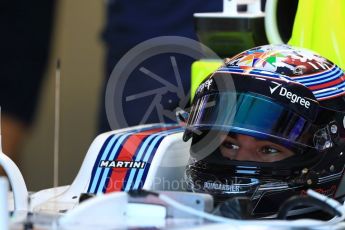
x: 246, y: 148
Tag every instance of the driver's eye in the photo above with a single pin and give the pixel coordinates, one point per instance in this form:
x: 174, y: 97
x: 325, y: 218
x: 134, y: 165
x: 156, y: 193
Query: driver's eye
x: 269, y: 150
x: 230, y: 145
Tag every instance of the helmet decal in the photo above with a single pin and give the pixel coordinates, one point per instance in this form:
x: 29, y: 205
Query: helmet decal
x: 321, y: 76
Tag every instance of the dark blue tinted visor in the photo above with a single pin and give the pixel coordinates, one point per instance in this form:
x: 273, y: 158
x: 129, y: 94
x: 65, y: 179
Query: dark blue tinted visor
x: 251, y: 114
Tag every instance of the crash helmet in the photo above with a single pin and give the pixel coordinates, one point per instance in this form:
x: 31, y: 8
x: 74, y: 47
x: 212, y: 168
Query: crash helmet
x: 268, y: 125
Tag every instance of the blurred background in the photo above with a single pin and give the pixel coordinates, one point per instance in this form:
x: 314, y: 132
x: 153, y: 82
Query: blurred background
x: 86, y: 59
x: 76, y: 40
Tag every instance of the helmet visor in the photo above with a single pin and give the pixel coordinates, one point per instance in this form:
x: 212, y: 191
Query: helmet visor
x: 252, y: 114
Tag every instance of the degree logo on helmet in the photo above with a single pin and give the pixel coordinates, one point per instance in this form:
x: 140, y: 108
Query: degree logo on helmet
x: 294, y: 98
